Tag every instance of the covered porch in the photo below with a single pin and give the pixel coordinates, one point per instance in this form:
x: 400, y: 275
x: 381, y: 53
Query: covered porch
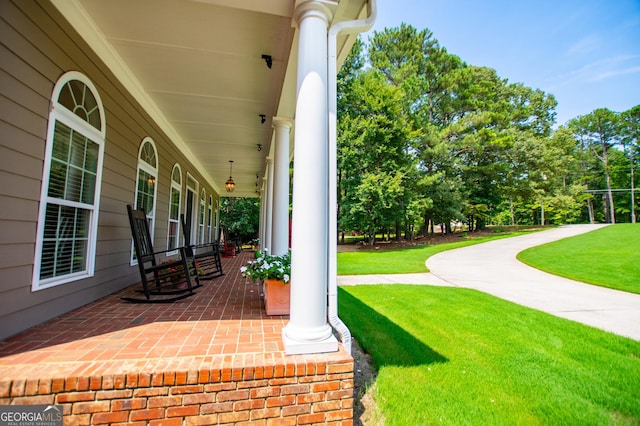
x: 190, y: 94
x: 215, y: 357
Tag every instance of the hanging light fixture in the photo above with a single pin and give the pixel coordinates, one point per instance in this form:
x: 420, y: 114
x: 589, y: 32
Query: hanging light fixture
x: 230, y: 185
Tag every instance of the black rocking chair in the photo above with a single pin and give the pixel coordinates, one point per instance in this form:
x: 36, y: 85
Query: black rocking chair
x: 162, y: 281
x: 206, y: 256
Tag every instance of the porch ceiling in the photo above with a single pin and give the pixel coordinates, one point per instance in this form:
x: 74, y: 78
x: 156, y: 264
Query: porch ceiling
x: 196, y: 66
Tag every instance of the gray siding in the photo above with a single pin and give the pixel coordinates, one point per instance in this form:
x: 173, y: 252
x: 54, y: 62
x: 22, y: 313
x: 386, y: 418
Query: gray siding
x: 37, y: 46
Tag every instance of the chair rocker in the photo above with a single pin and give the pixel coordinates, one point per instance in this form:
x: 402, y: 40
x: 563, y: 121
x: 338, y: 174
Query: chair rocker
x: 162, y: 281
x: 206, y: 256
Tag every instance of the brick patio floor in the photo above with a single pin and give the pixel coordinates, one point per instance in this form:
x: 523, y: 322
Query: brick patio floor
x: 220, y: 334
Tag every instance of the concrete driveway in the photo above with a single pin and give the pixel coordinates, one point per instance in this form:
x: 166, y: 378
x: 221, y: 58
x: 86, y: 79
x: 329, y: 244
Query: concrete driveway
x: 492, y: 268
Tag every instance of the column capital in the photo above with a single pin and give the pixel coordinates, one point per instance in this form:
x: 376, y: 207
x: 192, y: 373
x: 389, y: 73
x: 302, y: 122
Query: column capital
x: 323, y: 9
x: 282, y: 122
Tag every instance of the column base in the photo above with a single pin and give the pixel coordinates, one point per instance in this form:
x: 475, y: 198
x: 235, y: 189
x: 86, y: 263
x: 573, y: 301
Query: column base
x: 297, y: 347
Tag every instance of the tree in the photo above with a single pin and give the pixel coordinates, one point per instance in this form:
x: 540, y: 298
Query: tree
x: 630, y: 132
x: 600, y: 131
x: 372, y: 144
x: 240, y: 217
x: 426, y: 139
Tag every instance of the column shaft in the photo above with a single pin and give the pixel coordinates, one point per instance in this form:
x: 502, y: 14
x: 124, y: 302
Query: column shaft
x: 269, y: 221
x: 280, y: 233
x: 308, y: 330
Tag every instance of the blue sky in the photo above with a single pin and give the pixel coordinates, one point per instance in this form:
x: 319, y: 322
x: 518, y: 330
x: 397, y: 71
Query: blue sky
x: 586, y: 53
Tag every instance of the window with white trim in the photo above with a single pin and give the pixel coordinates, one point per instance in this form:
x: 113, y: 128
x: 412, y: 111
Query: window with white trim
x: 70, y: 193
x: 146, y: 185
x: 190, y: 206
x: 209, y: 218
x: 216, y: 222
x: 175, y: 200
x: 201, y: 217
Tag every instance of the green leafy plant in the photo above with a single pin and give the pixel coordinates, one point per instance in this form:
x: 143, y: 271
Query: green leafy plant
x: 268, y: 267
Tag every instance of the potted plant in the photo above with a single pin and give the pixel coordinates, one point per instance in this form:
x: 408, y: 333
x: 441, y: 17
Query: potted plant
x: 274, y: 271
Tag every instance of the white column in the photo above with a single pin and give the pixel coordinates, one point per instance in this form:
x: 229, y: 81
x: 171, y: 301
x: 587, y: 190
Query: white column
x: 308, y: 330
x: 280, y: 233
x: 262, y: 218
x: 269, y: 206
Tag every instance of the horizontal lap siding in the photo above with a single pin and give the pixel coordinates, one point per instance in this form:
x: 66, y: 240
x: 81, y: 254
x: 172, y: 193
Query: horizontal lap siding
x: 38, y: 46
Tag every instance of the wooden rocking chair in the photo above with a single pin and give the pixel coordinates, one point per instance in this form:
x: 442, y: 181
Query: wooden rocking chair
x: 162, y: 281
x: 206, y: 256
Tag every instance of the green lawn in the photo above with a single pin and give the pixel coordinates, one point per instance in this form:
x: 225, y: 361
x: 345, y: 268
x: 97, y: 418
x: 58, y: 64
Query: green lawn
x: 456, y: 356
x: 608, y: 257
x: 403, y: 261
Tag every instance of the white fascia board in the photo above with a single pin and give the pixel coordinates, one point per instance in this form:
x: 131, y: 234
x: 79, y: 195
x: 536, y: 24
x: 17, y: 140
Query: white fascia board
x: 271, y: 7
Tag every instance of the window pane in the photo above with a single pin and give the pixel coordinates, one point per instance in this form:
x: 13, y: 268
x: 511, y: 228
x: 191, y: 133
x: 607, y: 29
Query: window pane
x: 77, y: 88
x: 173, y: 234
x: 175, y: 176
x: 148, y: 154
x: 61, y: 141
x: 48, y: 259
x: 91, y: 157
x: 57, y: 179
x: 93, y: 111
x: 77, y: 150
x: 88, y: 188
x: 66, y: 98
x: 79, y: 257
x: 74, y: 166
x: 146, y: 186
x: 175, y: 204
x: 65, y: 241
x: 74, y: 184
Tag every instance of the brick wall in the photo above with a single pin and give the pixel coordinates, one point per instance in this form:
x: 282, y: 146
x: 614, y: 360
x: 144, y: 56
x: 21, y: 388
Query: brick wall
x: 300, y: 390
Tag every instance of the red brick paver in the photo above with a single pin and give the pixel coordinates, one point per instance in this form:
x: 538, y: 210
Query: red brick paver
x: 225, y: 317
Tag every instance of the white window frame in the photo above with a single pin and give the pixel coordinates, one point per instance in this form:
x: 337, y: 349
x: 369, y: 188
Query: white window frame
x: 209, y: 218
x: 153, y: 172
x: 191, y: 185
x: 175, y: 186
x: 202, y: 212
x: 216, y: 222
x: 59, y: 113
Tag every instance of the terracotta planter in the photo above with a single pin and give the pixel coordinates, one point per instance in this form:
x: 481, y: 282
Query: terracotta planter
x: 276, y: 297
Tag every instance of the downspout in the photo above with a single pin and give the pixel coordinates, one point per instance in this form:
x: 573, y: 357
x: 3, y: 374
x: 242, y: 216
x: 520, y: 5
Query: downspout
x: 356, y: 26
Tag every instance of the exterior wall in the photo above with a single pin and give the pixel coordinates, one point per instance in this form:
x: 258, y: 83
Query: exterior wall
x: 300, y: 390
x: 38, y: 46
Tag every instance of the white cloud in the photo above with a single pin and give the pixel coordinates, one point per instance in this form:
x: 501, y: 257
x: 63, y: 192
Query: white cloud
x: 615, y: 72
x: 598, y: 71
x: 585, y: 45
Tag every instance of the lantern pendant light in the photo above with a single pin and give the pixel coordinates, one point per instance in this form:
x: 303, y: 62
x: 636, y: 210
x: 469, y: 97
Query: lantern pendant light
x: 230, y: 185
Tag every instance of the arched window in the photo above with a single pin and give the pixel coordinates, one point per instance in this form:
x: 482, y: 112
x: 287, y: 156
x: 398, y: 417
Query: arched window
x: 175, y: 200
x: 190, y: 207
x: 216, y: 221
x: 146, y: 184
x: 70, y: 193
x: 209, y: 218
x: 201, y: 217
